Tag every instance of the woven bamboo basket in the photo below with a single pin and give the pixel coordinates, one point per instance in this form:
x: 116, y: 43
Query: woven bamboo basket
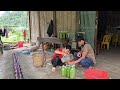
x: 38, y: 59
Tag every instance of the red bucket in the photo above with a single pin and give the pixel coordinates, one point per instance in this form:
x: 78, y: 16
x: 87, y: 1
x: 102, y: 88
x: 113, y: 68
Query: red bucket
x: 20, y: 44
x: 96, y: 74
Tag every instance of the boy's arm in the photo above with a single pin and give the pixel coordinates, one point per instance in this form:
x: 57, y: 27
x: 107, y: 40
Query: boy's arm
x: 84, y: 54
x: 59, y: 52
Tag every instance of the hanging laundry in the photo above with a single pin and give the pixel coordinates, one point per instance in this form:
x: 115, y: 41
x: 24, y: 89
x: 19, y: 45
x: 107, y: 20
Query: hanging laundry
x: 6, y: 33
x: 0, y: 31
x: 50, y: 29
x: 3, y: 31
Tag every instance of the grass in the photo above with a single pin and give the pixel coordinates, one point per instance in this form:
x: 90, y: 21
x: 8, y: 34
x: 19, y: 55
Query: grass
x: 13, y: 37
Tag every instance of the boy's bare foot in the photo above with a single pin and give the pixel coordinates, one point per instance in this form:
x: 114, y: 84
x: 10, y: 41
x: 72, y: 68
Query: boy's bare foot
x: 53, y: 69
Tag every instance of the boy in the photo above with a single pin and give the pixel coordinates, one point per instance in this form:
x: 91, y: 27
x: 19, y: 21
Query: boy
x: 86, y: 56
x: 58, y: 54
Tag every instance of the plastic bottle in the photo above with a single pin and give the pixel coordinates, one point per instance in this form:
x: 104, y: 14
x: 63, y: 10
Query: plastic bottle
x: 68, y: 71
x: 60, y: 34
x: 72, y: 72
x: 66, y: 35
x: 63, y: 71
x: 63, y: 34
x: 67, y: 74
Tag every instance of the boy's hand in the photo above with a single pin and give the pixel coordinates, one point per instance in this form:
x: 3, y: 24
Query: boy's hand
x: 79, y: 54
x: 72, y: 63
x: 65, y: 54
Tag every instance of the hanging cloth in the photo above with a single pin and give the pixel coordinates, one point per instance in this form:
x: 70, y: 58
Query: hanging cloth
x: 3, y: 32
x: 6, y: 33
x: 0, y: 31
x: 50, y: 29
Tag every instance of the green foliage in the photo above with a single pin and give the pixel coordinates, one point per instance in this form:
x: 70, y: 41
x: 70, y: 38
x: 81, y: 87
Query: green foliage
x: 17, y: 19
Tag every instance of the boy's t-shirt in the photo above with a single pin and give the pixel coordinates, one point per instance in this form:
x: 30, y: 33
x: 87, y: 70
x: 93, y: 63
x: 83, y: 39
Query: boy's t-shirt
x: 88, y: 48
x: 59, y: 55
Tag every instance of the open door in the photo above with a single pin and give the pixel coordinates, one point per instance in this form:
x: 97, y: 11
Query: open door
x: 88, y: 25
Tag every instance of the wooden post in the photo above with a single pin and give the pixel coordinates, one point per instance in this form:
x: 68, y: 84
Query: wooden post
x: 77, y: 21
x: 54, y: 23
x: 29, y: 25
x: 39, y: 24
x: 95, y: 38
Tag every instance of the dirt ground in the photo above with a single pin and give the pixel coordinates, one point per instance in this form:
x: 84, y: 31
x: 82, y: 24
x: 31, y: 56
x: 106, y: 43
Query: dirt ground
x: 107, y: 60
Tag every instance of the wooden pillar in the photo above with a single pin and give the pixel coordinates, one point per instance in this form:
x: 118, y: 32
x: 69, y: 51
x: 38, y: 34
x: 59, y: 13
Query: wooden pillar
x: 54, y: 23
x: 29, y: 24
x: 34, y: 25
x: 77, y: 21
x: 96, y: 45
x: 39, y: 23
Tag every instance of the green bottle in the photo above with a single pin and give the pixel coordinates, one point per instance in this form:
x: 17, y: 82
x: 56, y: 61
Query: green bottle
x: 66, y: 35
x: 68, y: 71
x: 63, y: 71
x: 72, y: 72
x: 67, y: 74
x: 61, y: 35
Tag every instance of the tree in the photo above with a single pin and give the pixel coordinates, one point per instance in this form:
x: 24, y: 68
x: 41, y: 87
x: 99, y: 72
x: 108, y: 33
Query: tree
x: 15, y: 18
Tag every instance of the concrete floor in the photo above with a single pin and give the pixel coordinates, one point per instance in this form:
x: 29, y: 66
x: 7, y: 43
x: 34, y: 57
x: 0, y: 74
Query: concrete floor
x: 107, y: 60
x: 110, y: 61
x: 6, y: 65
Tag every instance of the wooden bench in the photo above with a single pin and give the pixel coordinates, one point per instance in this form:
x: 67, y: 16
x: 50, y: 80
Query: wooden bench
x: 53, y: 40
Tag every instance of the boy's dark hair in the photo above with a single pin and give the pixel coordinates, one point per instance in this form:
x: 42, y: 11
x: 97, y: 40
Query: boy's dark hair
x: 80, y: 38
x: 68, y: 47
